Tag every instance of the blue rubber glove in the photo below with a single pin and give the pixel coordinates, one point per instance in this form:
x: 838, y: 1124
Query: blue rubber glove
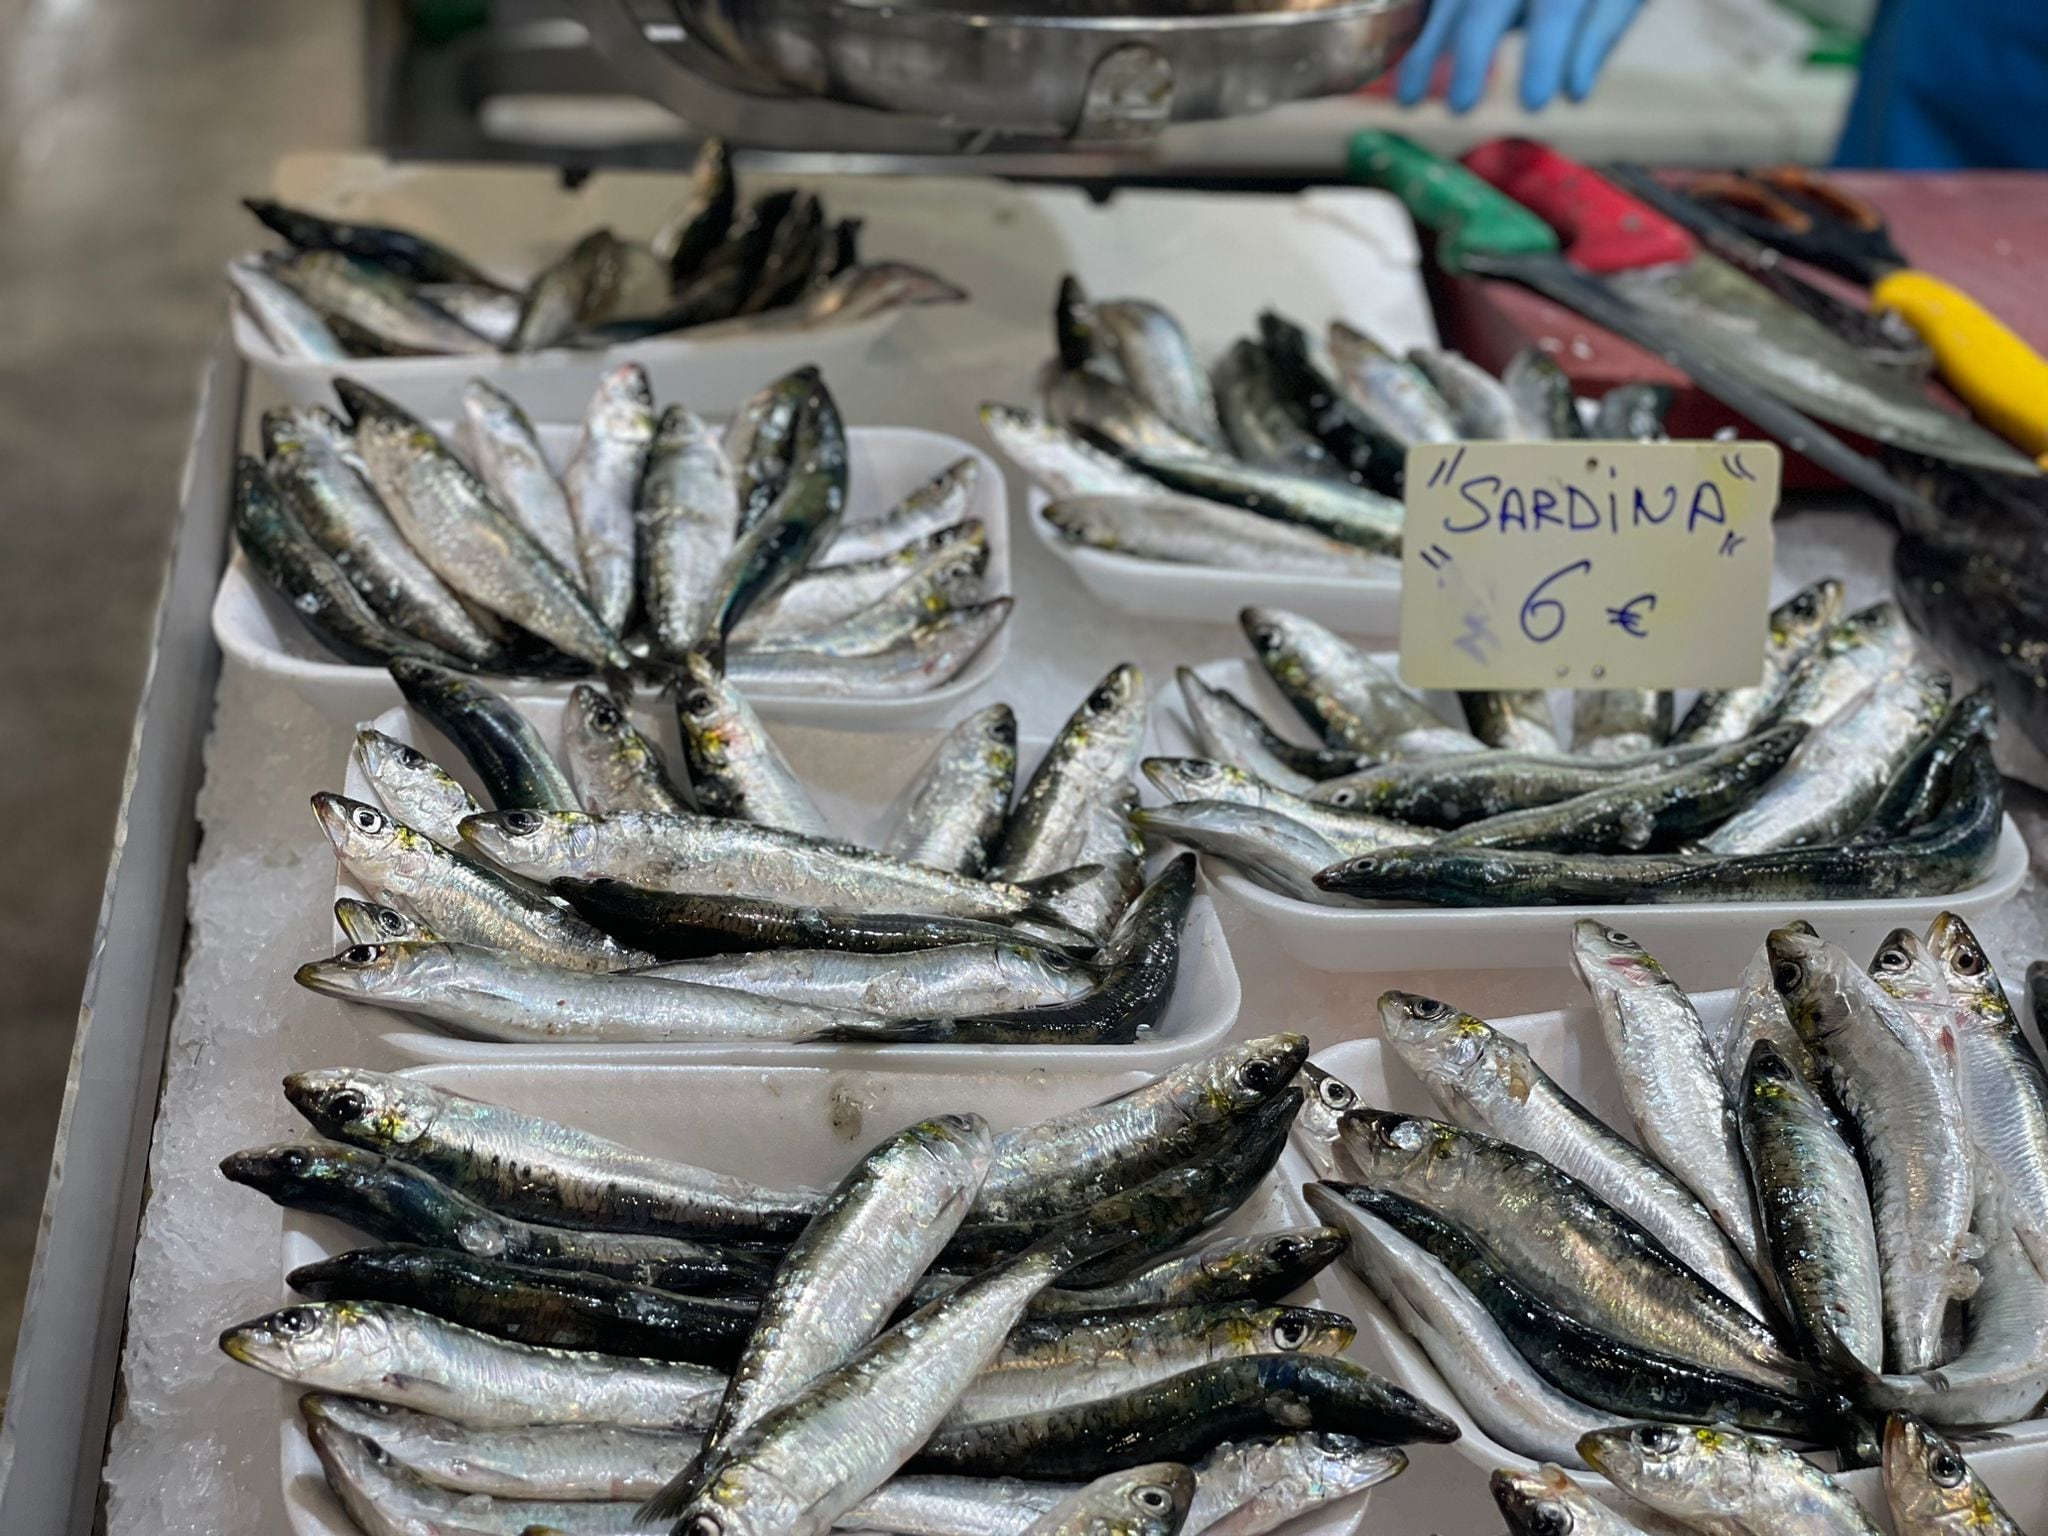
x: 1568, y: 42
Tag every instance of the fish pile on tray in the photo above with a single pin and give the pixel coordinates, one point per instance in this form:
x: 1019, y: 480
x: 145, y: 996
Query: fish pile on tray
x: 1845, y: 772
x: 1292, y: 456
x: 1835, y: 1204
x: 1720, y: 1480
x: 570, y: 1333
x: 605, y: 904
x: 345, y: 290
x: 659, y: 534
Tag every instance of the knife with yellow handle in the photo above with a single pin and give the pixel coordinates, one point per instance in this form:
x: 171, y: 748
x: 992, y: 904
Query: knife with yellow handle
x: 1998, y: 375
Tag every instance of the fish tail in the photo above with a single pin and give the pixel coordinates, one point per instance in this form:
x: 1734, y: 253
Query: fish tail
x: 1060, y: 899
x: 675, y: 1495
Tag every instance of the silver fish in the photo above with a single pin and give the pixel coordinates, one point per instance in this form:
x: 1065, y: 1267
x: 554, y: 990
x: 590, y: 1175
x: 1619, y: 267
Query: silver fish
x: 507, y: 455
x: 539, y: 1169
x: 1335, y: 509
x: 1261, y: 428
x: 1547, y: 1503
x: 1343, y: 694
x: 602, y: 480
x: 1394, y: 392
x: 292, y: 325
x: 824, y: 596
x: 1268, y: 847
x: 1231, y: 731
x: 1931, y: 1489
x: 1620, y: 722
x: 490, y: 994
x: 471, y: 542
x: 1725, y: 1482
x: 1513, y: 721
x: 947, y: 581
x: 1797, y: 627
x: 493, y: 313
x: 397, y: 1355
x: 880, y: 1229
x: 613, y: 766
x: 1257, y: 1487
x: 1758, y: 1014
x: 1902, y: 1099
x: 2004, y: 1091
x: 312, y: 461
x: 1349, y: 832
x: 714, y: 855
x: 456, y: 897
x: 1150, y: 1500
x: 1058, y: 460
x: 1542, y: 392
x: 954, y: 979
x: 1488, y: 1081
x: 1482, y: 404
x: 1159, y: 360
x: 367, y: 305
x: 1093, y: 754
x: 414, y: 788
x: 1085, y: 400
x: 1186, y: 530
x: 937, y: 653
x: 939, y: 503
x: 1505, y: 1395
x: 952, y: 813
x: 688, y: 509
x: 367, y: 923
x: 1669, y: 1077
x: 1840, y: 770
x: 1852, y: 656
x: 736, y: 769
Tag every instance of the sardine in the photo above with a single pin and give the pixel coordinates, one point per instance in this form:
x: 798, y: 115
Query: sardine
x: 502, y: 745
x: 796, y: 526
x: 508, y: 457
x: 1266, y: 847
x: 1932, y: 1491
x: 1349, y: 832
x: 825, y: 595
x: 1362, y: 452
x: 1758, y: 1014
x: 688, y: 511
x: 1265, y: 1266
x: 1670, y: 1079
x: 1852, y: 656
x: 1337, y: 689
x: 697, y: 228
x: 1065, y: 464
x: 1256, y: 1488
x: 366, y: 305
x: 934, y: 655
x: 602, y: 479
x: 736, y: 769
x: 987, y: 977
x: 1337, y: 510
x: 1160, y: 362
x: 1480, y: 402
x: 1150, y: 1500
x: 947, y: 581
x: 365, y: 922
x: 760, y: 440
x: 1185, y: 530
x: 399, y: 251
x: 1093, y: 753
x: 1547, y: 1503
x: 1231, y: 731
x: 292, y: 325
x: 1466, y: 785
x: 540, y: 1169
x: 414, y: 788
x: 1393, y: 391
x: 492, y: 312
x: 951, y: 815
x: 1634, y: 413
x: 1725, y: 1482
x: 1798, y: 625
x: 1261, y: 428
x: 613, y: 767
x: 1921, y: 784
x: 1106, y: 410
x: 1543, y: 395
x: 941, y: 502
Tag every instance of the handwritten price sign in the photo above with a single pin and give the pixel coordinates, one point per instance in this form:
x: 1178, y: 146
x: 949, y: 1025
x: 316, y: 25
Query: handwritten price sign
x: 1587, y: 565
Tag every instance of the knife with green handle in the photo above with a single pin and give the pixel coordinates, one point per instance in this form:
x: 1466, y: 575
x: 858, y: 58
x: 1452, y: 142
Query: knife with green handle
x: 1483, y: 232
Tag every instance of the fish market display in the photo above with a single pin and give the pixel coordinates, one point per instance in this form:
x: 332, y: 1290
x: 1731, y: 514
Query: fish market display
x: 1627, y: 1298
x: 716, y: 268
x: 1851, y: 770
x: 905, y: 1353
x: 659, y: 540
x: 1287, y: 458
x: 630, y: 900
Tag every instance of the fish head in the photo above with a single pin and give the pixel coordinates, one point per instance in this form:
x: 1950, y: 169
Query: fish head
x: 1905, y: 967
x: 1807, y: 613
x: 351, y: 1415
x: 386, y: 971
x: 963, y: 1142
x: 386, y: 757
x: 1928, y: 1483
x: 717, y: 727
x: 1341, y: 1464
x: 996, y: 729
x: 1447, y: 1048
x: 1875, y: 625
x: 366, y: 922
x: 1273, y: 1263
x: 1294, y: 1331
x: 1803, y: 973
x: 1151, y: 1500
x: 1544, y: 1502
x: 741, y: 1499
x: 1675, y: 1468
x: 298, y: 1172
x: 1965, y: 968
x: 356, y: 829
x: 365, y: 1109
x: 1239, y: 1079
x: 1381, y: 1145
x: 1198, y: 778
x: 1325, y: 1104
x: 529, y: 839
x: 1606, y: 957
x: 1105, y: 729
x: 1276, y: 641
x: 298, y: 1342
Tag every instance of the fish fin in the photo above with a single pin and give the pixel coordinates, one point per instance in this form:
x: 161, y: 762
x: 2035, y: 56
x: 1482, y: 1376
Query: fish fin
x: 675, y: 1495
x: 888, y: 1032
x: 1053, y: 899
x: 1082, y: 1241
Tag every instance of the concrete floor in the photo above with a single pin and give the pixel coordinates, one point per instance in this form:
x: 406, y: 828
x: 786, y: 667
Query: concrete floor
x: 126, y: 134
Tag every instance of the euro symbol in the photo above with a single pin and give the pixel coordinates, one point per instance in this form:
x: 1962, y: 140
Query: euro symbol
x: 1628, y: 620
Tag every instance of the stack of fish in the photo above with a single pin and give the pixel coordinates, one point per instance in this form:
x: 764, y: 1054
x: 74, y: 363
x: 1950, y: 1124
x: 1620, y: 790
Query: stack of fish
x: 620, y: 902
x: 1291, y: 456
x: 1835, y: 1204
x: 574, y: 1334
x: 1719, y: 1480
x: 1845, y: 772
x: 345, y: 290
x: 660, y: 530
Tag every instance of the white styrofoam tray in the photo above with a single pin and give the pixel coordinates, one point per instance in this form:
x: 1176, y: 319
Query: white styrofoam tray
x: 255, y: 626
x: 1700, y: 941
x: 1569, y: 1045
x: 855, y: 780
x: 712, y: 372
x: 780, y: 1125
x: 1364, y: 606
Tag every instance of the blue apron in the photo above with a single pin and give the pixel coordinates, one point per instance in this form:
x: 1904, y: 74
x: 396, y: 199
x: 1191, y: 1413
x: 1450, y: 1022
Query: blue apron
x: 1952, y: 84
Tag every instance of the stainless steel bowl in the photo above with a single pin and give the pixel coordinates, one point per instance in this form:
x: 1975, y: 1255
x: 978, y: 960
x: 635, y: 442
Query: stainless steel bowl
x: 898, y: 73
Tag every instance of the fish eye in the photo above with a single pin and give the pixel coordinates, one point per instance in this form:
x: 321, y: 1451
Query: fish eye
x: 1549, y: 1520
x: 1429, y: 1008
x: 1285, y: 1250
x: 698, y: 701
x: 1615, y: 936
x: 1659, y: 1439
x: 294, y: 1160
x: 366, y: 819
x: 1947, y: 1468
x: 604, y: 715
x: 521, y: 823
x: 1152, y: 1499
x: 391, y: 922
x: 1969, y: 960
x: 1336, y: 1094
x: 1805, y: 605
x: 1103, y: 699
x: 1891, y: 958
x: 1260, y: 1075
x: 296, y: 1320
x: 1291, y: 1333
x: 410, y: 757
x: 1787, y: 975
x: 362, y: 954
x: 348, y: 1105
x: 1196, y: 769
x: 703, y: 1525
